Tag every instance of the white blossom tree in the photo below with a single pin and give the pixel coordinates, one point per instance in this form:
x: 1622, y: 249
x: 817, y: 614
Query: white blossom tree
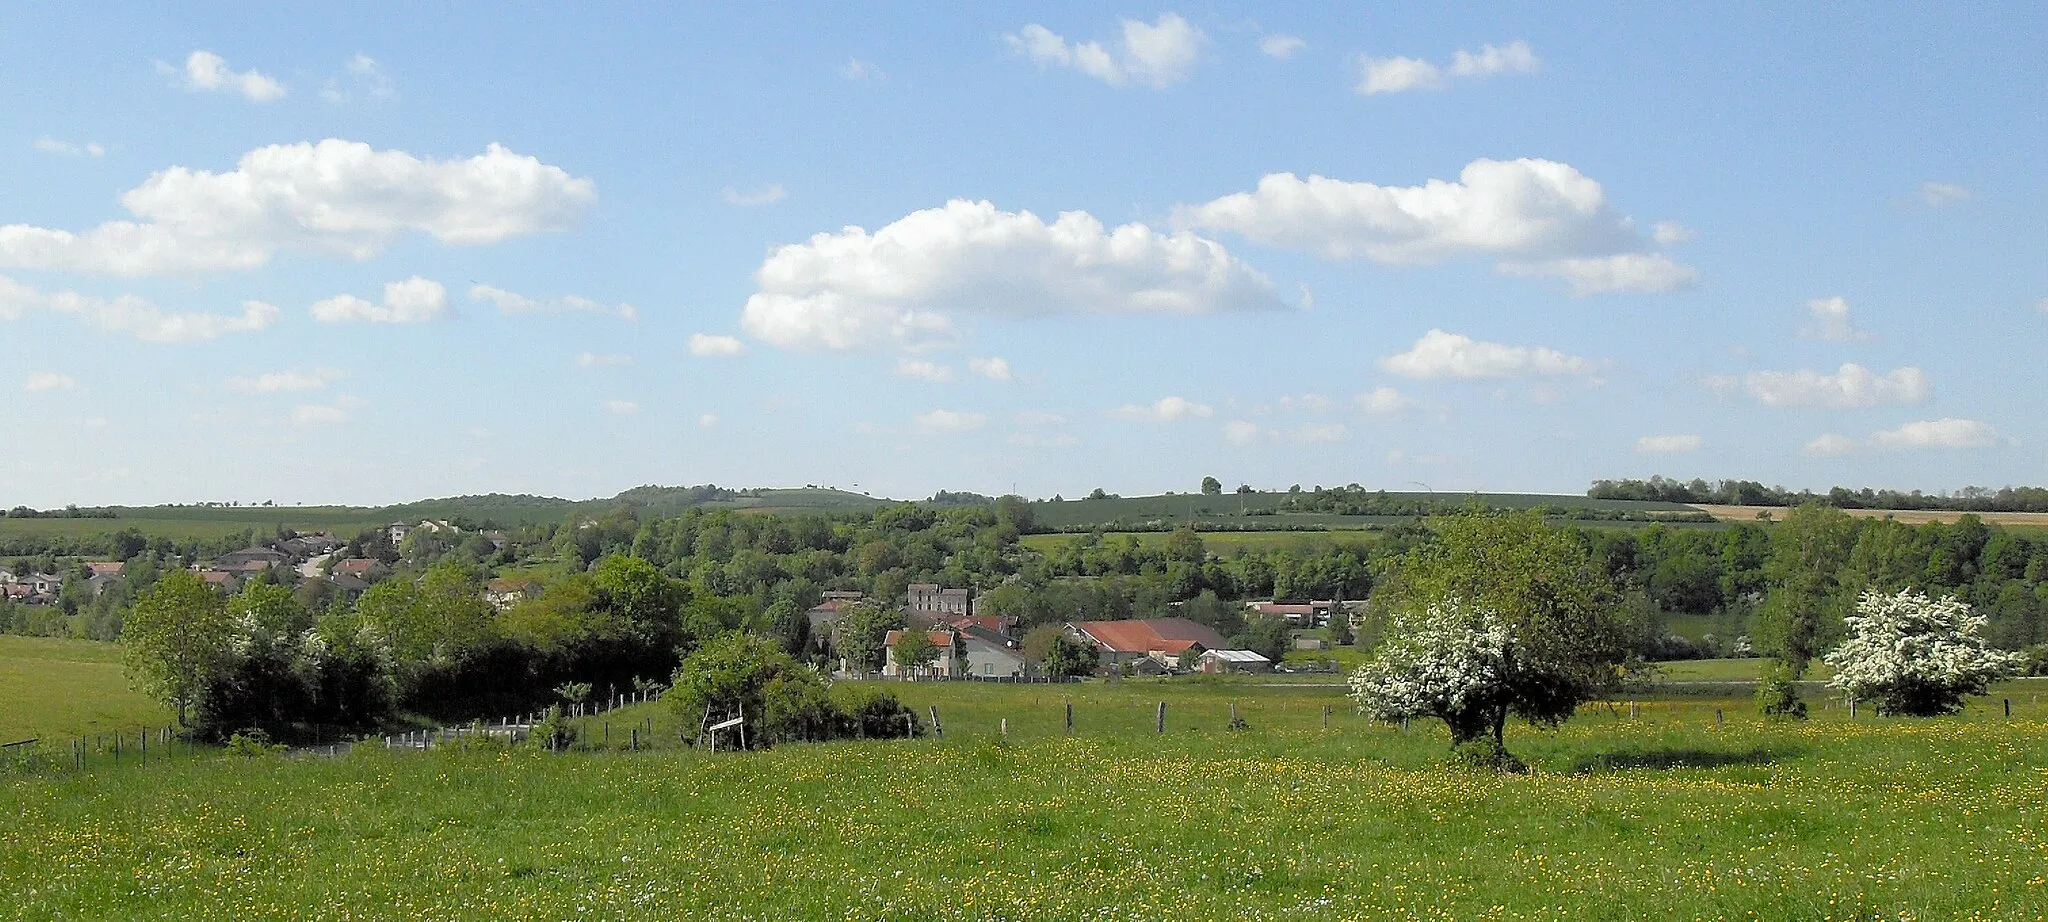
x: 1915, y: 655
x: 1452, y: 661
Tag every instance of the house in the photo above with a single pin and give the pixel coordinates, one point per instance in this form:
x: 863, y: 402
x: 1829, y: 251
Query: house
x: 396, y: 532
x: 824, y: 615
x: 930, y: 600
x: 19, y: 592
x: 993, y: 660
x: 251, y: 560
x: 946, y: 665
x: 507, y: 591
x: 221, y: 580
x: 1162, y: 640
x: 349, y: 586
x: 1002, y: 626
x: 1308, y: 614
x: 367, y: 569
x: 105, y: 567
x: 44, y: 583
x: 1220, y: 661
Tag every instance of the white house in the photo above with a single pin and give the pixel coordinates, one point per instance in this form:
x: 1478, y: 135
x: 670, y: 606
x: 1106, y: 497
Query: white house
x: 946, y: 665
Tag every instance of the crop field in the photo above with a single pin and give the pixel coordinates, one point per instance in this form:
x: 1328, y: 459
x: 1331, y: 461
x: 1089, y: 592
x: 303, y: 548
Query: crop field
x: 1664, y: 816
x: 1907, y: 516
x: 1251, y: 507
x: 54, y: 689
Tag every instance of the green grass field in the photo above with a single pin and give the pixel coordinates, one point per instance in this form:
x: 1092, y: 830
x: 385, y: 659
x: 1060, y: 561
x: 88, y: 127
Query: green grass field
x: 1660, y: 817
x: 55, y: 689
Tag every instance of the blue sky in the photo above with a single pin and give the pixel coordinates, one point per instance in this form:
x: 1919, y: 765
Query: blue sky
x: 261, y: 253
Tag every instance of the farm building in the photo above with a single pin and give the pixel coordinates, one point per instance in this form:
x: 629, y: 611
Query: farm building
x: 1161, y: 640
x: 1219, y: 661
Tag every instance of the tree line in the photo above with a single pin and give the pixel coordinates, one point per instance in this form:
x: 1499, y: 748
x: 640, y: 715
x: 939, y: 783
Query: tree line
x: 1751, y: 493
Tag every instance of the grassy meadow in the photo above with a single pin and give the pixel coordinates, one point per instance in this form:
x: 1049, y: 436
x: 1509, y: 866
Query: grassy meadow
x: 1660, y: 817
x: 54, y: 689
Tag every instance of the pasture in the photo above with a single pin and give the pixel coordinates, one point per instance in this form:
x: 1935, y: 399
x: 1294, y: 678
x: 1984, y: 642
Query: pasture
x: 1661, y: 816
x: 53, y: 689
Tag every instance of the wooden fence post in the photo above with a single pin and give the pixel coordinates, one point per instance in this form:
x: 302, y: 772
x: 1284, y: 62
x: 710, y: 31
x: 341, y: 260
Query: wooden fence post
x: 1160, y: 718
x: 1004, y: 727
x: 1326, y: 717
x: 937, y: 729
x: 1070, y: 718
x: 2008, y: 708
x: 1719, y: 720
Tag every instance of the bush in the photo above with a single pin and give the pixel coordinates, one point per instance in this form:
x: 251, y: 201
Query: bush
x: 876, y: 714
x: 1917, y: 656
x: 250, y: 744
x: 1776, y: 696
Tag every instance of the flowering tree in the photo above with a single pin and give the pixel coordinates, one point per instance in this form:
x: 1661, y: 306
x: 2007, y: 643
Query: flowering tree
x: 1452, y: 662
x: 1916, y: 656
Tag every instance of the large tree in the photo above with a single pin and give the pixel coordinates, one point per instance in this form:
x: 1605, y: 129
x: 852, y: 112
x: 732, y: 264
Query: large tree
x: 1496, y: 615
x: 177, y: 640
x: 862, y: 630
x: 1916, y: 656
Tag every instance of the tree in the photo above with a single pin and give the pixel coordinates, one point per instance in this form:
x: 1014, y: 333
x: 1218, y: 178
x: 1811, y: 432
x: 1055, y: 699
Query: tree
x: 177, y: 640
x: 863, y: 629
x: 1808, y: 552
x: 1916, y: 656
x: 1494, y: 615
x: 1069, y: 657
x: 1212, y: 487
x: 733, y: 674
x: 914, y: 651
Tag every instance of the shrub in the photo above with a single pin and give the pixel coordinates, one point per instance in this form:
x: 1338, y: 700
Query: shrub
x: 250, y: 744
x: 1776, y: 696
x: 1917, y: 656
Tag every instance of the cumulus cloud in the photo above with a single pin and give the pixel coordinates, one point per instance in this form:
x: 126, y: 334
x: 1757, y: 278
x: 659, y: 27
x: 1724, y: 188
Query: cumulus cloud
x: 133, y: 316
x: 334, y: 196
x: 1383, y: 401
x: 362, y: 78
x: 1039, y: 418
x: 1850, y: 387
x: 860, y: 71
x: 994, y: 368
x: 1668, y: 444
x: 414, y: 300
x: 1241, y: 432
x: 1944, y: 194
x: 602, y: 360
x: 70, y: 149
x: 1281, y: 47
x: 514, y: 303
x: 710, y: 346
x: 1309, y: 403
x: 923, y: 370
x: 47, y: 381
x: 284, y: 381
x: 1830, y: 321
x: 1622, y: 272
x: 1543, y: 218
x: 753, y: 198
x: 707, y: 420
x: 901, y: 284
x: 940, y: 422
x: 1451, y: 355
x: 1921, y: 435
x: 1399, y: 74
x: 206, y: 72
x: 621, y: 407
x: 1158, y: 54
x: 1166, y: 410
x: 1669, y: 233
x: 317, y: 414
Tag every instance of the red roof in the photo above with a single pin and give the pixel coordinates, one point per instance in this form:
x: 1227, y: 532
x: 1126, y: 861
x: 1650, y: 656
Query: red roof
x: 1140, y: 636
x: 997, y: 623
x: 105, y: 568
x: 941, y: 639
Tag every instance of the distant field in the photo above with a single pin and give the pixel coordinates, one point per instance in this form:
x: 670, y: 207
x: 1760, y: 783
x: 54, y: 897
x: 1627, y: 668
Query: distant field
x: 207, y: 523
x: 1239, y: 507
x: 1216, y: 542
x: 1908, y: 516
x: 1665, y: 816
x: 56, y: 689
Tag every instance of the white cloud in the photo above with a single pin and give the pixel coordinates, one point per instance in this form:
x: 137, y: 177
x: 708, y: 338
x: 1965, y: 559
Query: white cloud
x: 1936, y: 433
x: 1281, y: 47
x: 1039, y: 418
x: 1316, y: 433
x: 1850, y: 387
x: 415, y: 300
x: 1944, y: 194
x: 1308, y: 403
x: 514, y: 303
x: 1831, y: 321
x: 284, y: 381
x: 334, y: 196
x: 1241, y: 432
x: 900, y: 284
x: 994, y: 368
x: 939, y: 422
x: 1622, y: 272
x: 205, y: 71
x: 710, y: 346
x: 1450, y: 355
x: 1544, y: 217
x: 1828, y: 446
x: 48, y: 381
x: 621, y: 407
x: 362, y: 76
x: 1159, y: 54
x: 70, y: 149
x: 1383, y: 401
x: 133, y: 316
x: 1400, y: 74
x: 1668, y: 444
x: 315, y: 414
x: 1669, y: 233
x: 597, y: 360
x: 707, y: 421
x: 860, y: 71
x: 923, y: 370
x: 1166, y: 410
x: 752, y: 198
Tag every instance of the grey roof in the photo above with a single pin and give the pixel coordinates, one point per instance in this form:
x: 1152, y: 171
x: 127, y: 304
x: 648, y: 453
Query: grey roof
x: 1237, y: 656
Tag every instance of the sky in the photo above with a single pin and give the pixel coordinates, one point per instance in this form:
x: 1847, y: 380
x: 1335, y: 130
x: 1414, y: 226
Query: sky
x: 387, y: 252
